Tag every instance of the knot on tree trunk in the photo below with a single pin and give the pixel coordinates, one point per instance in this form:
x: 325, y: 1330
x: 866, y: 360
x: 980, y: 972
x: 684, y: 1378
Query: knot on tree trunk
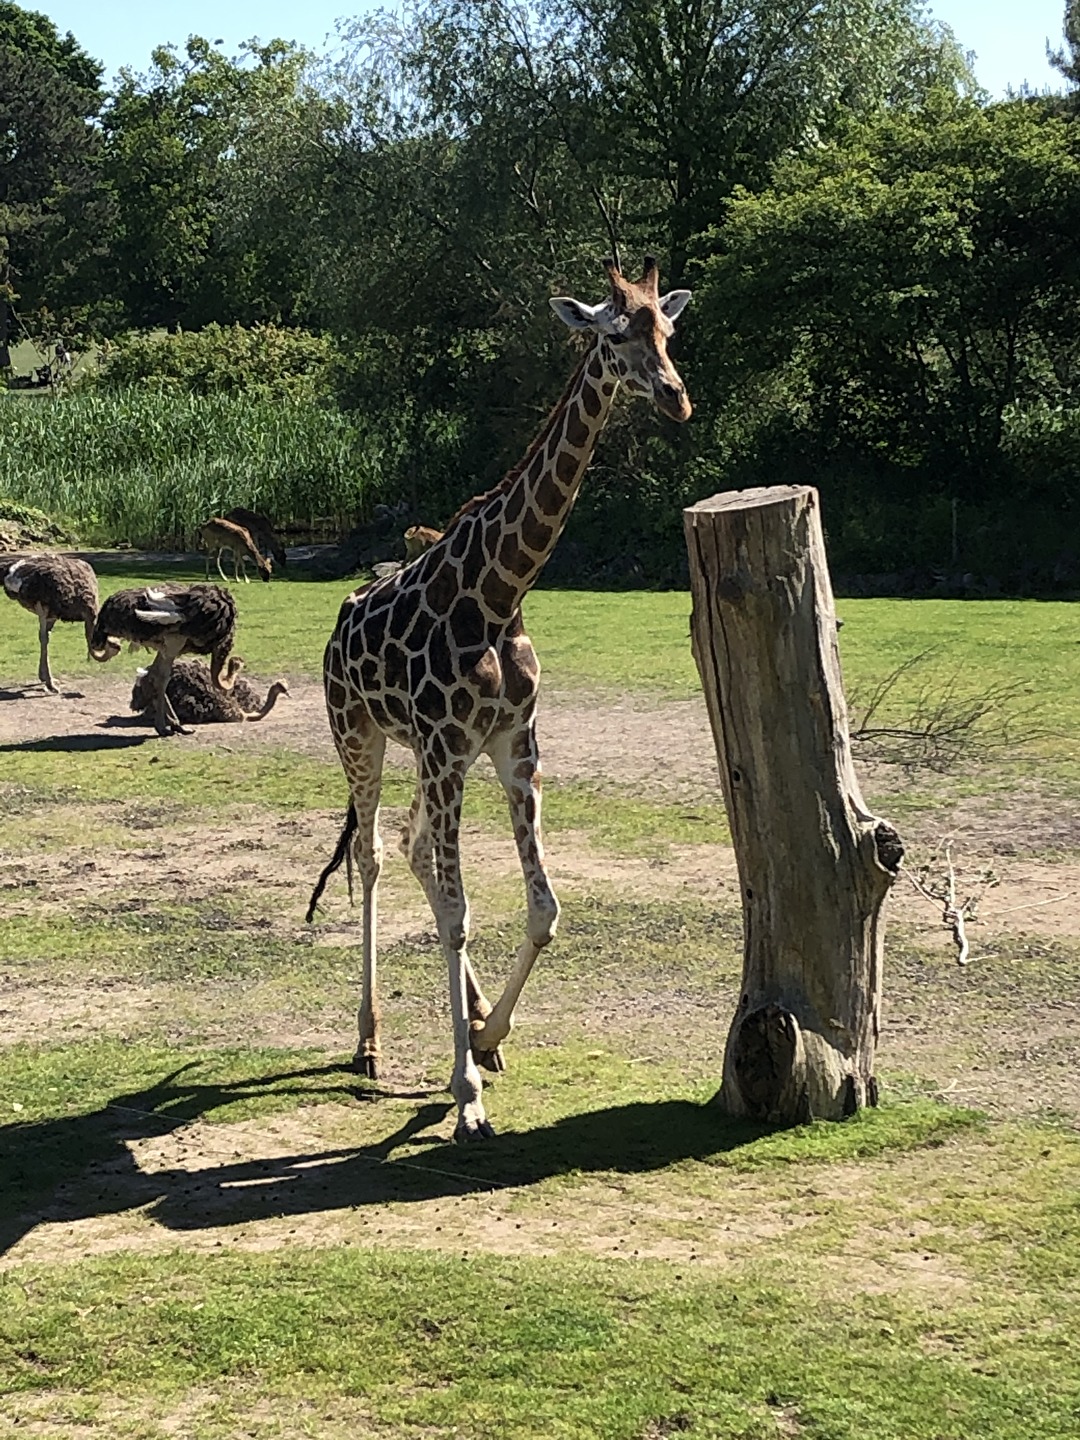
x: 889, y: 847
x: 769, y: 1062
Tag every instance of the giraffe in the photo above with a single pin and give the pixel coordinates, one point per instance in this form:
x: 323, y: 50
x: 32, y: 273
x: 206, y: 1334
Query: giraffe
x: 436, y: 659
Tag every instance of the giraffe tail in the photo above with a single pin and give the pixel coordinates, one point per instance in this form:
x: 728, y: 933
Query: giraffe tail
x: 343, y: 852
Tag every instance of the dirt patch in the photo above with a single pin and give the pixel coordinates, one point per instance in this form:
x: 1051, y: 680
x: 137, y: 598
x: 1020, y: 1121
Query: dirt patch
x: 333, y: 1175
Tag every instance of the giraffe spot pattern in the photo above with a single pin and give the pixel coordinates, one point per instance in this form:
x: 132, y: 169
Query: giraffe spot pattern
x: 485, y: 676
x: 475, y: 562
x: 513, y: 558
x: 460, y: 538
x: 457, y: 742
x: 440, y: 660
x: 395, y: 667
x: 461, y: 703
x: 500, y: 596
x: 521, y: 673
x: 431, y: 701
x: 550, y: 497
x: 467, y: 623
x: 416, y: 638
x: 566, y: 467
x: 442, y: 590
x: 534, y: 533
x: 577, y: 432
x: 590, y: 400
x: 515, y: 501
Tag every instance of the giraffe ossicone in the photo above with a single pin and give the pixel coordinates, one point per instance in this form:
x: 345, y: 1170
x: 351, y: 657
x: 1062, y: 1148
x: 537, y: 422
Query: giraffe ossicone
x: 435, y: 658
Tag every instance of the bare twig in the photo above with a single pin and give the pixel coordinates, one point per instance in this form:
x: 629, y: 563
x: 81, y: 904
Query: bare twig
x: 942, y: 891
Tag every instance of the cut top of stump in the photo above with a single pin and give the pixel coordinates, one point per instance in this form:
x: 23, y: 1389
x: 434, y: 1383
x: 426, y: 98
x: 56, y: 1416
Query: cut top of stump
x: 754, y: 498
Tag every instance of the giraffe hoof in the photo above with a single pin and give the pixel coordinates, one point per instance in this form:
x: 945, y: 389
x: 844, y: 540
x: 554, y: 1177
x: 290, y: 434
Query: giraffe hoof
x: 366, y: 1065
x: 469, y: 1131
x: 491, y: 1060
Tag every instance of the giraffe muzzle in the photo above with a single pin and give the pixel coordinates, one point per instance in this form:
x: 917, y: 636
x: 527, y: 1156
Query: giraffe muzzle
x: 673, y: 401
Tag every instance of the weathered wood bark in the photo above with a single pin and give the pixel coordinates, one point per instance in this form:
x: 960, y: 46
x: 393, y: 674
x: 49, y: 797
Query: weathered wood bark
x: 814, y: 865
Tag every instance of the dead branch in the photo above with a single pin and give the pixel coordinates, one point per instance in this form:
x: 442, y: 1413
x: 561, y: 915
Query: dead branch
x: 942, y: 891
x: 942, y: 724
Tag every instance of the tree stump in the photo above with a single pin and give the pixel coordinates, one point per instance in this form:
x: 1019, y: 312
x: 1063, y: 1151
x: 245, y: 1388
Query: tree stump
x: 814, y: 865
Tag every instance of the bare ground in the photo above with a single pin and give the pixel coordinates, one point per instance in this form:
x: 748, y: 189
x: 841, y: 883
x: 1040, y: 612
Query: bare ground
x: 990, y: 1040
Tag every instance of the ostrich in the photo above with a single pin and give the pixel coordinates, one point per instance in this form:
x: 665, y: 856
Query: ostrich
x: 53, y: 587
x: 196, y: 700
x: 174, y: 620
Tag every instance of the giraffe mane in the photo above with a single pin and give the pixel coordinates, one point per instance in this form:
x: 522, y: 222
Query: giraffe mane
x: 513, y: 474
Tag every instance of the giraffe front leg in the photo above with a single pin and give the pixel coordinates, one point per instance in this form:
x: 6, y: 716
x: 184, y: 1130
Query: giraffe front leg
x: 517, y: 763
x: 442, y: 806
x: 417, y: 848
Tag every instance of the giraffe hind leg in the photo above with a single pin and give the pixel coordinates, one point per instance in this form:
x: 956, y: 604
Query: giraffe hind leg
x: 362, y: 747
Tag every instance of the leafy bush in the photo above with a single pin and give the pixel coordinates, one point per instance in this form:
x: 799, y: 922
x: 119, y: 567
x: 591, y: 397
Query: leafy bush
x: 221, y: 359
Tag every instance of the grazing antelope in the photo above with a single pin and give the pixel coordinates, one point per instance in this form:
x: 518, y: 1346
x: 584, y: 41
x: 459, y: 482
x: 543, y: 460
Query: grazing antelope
x: 261, y: 531
x: 222, y: 535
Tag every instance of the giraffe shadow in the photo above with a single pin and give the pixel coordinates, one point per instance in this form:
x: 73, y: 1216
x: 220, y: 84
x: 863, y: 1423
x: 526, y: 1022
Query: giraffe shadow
x: 625, y: 1139
x: 77, y: 1167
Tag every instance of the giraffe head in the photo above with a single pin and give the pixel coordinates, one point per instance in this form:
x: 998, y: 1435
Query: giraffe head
x: 633, y: 328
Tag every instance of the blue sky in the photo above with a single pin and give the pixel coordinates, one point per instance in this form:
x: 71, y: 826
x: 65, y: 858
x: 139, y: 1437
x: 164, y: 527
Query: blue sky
x: 1009, y: 39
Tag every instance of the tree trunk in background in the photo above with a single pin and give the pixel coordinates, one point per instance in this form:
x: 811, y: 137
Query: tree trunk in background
x: 814, y: 865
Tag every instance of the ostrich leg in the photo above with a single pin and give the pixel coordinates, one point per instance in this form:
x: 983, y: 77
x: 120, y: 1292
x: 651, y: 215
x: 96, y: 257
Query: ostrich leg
x: 45, y: 626
x: 166, y: 720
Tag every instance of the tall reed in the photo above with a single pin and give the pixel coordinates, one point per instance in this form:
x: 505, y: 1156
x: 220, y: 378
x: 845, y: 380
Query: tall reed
x: 148, y: 467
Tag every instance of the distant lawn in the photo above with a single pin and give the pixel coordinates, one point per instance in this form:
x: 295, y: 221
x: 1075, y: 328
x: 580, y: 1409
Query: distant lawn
x: 637, y: 642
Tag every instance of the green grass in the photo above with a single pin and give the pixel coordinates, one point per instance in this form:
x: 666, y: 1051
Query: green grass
x: 638, y: 642
x: 208, y: 782
x: 801, y: 1333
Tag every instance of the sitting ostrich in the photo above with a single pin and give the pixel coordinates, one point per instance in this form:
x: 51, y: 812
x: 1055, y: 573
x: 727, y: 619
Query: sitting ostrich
x: 196, y: 700
x: 53, y: 587
x: 174, y: 620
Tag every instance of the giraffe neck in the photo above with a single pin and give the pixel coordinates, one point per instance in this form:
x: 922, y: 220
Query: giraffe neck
x: 517, y: 526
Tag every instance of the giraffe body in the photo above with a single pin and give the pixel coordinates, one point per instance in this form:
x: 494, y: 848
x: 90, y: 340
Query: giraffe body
x: 435, y: 658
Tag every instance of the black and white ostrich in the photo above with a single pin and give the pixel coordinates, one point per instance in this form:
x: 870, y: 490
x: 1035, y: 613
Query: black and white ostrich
x: 53, y: 587
x: 196, y: 700
x: 174, y: 620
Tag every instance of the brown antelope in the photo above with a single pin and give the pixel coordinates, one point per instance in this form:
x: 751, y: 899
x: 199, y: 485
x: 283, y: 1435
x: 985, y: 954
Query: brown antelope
x: 218, y: 535
x: 261, y: 531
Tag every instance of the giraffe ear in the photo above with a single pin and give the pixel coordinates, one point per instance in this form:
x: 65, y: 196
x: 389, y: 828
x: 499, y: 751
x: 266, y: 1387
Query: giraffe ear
x: 575, y: 314
x: 674, y: 303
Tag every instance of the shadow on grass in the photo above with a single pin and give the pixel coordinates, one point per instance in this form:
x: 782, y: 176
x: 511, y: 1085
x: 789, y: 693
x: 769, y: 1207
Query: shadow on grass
x: 81, y: 1166
x: 70, y: 744
x: 86, y: 1157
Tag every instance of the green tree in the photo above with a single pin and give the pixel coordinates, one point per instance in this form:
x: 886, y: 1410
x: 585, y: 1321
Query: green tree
x: 182, y: 252
x: 50, y: 205
x: 1067, y: 59
x: 897, y: 301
